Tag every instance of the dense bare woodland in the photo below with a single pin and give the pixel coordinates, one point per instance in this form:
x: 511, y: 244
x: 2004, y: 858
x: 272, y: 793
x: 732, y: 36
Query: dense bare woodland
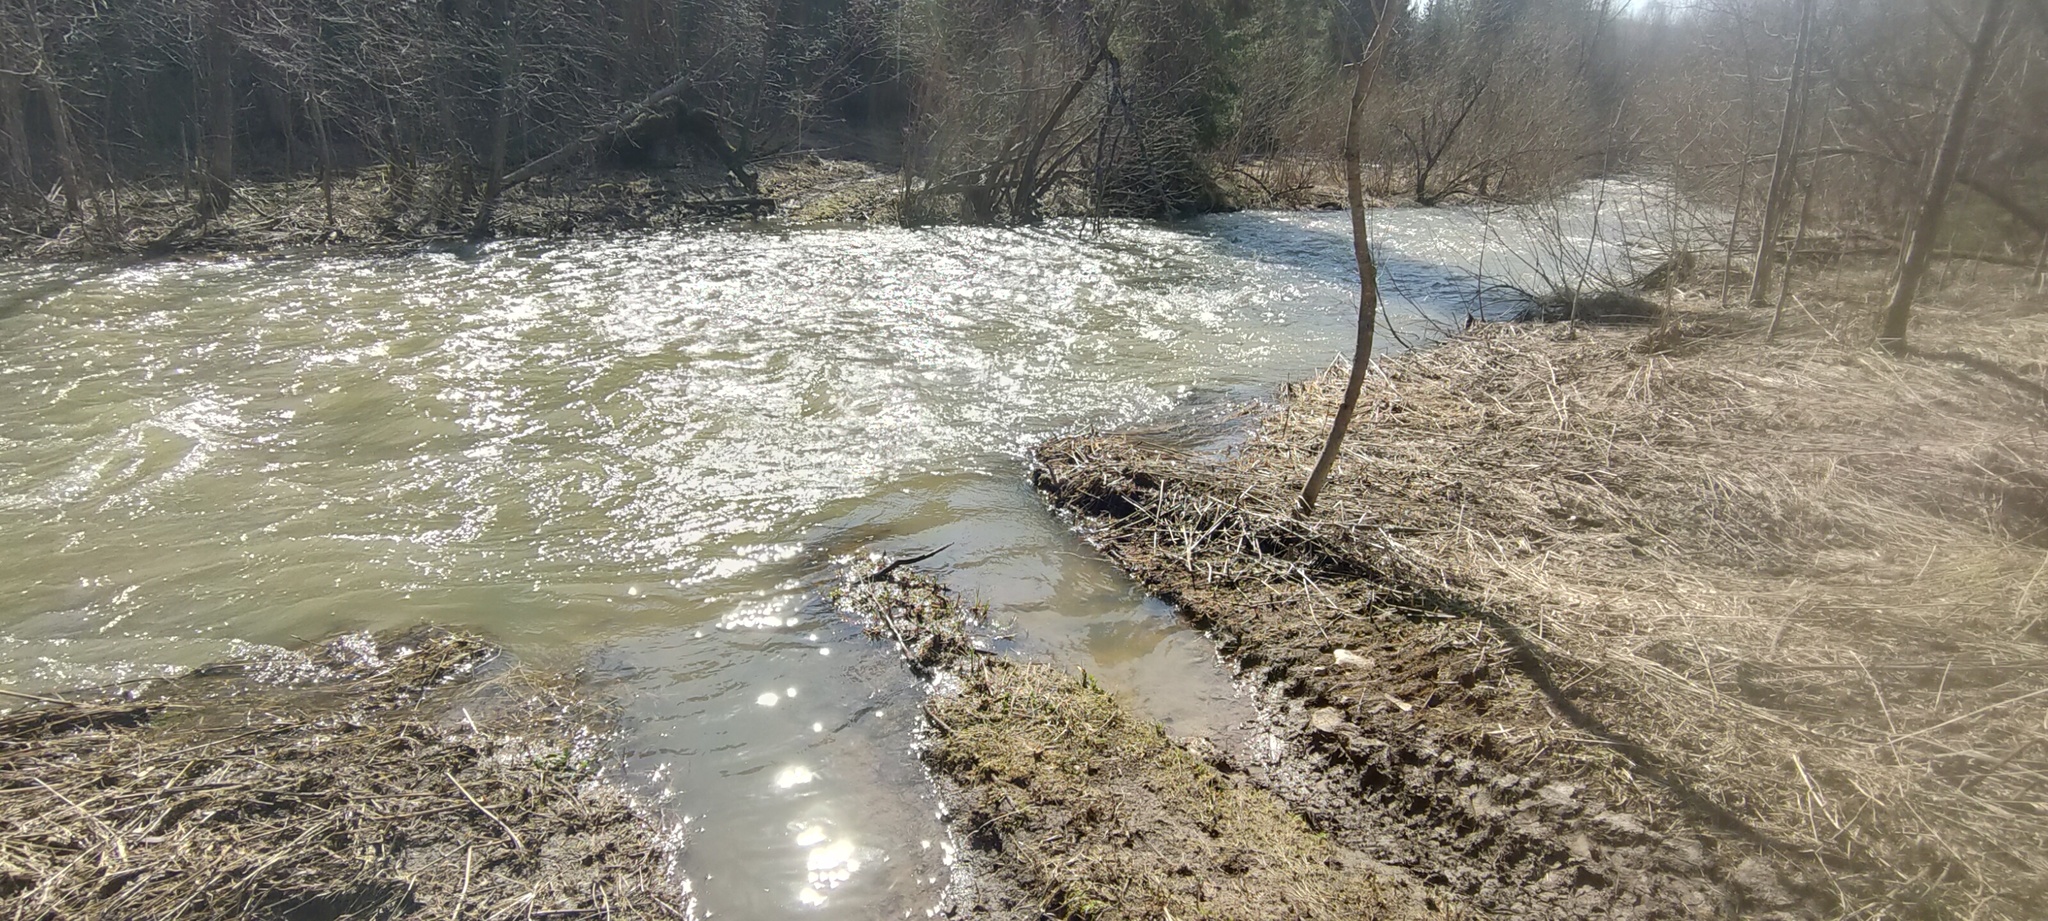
x: 426, y: 113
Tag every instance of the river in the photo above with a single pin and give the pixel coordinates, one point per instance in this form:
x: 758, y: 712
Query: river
x: 640, y: 456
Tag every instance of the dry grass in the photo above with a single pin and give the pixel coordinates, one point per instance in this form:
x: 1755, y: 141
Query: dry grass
x: 414, y: 779
x: 1804, y: 580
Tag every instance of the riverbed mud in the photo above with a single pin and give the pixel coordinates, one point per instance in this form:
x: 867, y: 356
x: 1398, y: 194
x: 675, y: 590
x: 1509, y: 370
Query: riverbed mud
x: 417, y: 776
x: 1630, y: 624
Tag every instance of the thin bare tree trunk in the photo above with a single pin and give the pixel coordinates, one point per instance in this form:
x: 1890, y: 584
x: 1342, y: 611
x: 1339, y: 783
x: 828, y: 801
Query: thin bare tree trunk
x: 1798, y: 239
x: 1368, y: 272
x: 1026, y: 205
x: 1734, y: 224
x: 69, y: 171
x: 1919, y: 243
x: 21, y: 177
x: 501, y: 122
x: 280, y: 102
x: 1783, y: 166
x: 2041, y: 266
x: 319, y: 119
x: 1742, y: 178
x: 218, y: 145
x: 67, y: 149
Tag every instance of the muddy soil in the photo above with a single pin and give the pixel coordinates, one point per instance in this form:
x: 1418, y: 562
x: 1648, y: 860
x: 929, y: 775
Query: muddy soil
x: 1070, y: 806
x: 1387, y: 735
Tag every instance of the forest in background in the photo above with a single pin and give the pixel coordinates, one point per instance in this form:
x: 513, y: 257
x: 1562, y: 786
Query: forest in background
x: 1003, y: 111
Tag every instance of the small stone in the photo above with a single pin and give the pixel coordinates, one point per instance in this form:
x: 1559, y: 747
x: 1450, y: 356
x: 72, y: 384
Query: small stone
x: 1329, y: 721
x: 1757, y: 880
x: 1622, y: 822
x: 1360, y: 746
x: 1481, y: 804
x: 1348, y: 659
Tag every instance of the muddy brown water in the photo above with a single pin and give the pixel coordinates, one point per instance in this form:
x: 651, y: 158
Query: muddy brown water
x: 641, y: 456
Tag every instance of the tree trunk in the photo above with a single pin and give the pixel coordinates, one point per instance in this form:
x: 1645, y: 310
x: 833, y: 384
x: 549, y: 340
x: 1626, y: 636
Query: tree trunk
x: 318, y: 117
x: 1368, y: 273
x: 1028, y: 190
x: 1798, y: 239
x: 217, y: 181
x: 1742, y: 179
x: 1782, y: 167
x: 70, y: 173
x: 2041, y: 267
x: 61, y: 138
x: 1919, y: 243
x: 20, y: 179
x: 501, y: 122
x: 279, y: 100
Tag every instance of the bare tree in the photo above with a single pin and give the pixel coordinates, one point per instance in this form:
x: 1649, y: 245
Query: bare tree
x: 20, y: 168
x: 217, y: 185
x: 1918, y: 245
x: 501, y: 117
x: 1368, y: 272
x: 1786, y: 161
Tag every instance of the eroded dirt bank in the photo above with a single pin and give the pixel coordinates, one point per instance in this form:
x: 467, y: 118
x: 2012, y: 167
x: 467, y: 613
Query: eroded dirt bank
x: 1072, y: 807
x: 1653, y: 622
x: 417, y: 777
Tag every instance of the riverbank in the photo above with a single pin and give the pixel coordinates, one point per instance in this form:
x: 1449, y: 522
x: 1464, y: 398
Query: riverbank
x: 373, y: 211
x: 1646, y: 622
x: 417, y: 777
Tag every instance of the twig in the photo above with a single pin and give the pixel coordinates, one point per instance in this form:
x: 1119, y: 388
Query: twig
x: 1977, y: 712
x: 480, y: 807
x: 884, y: 572
x: 468, y: 865
x: 47, y: 700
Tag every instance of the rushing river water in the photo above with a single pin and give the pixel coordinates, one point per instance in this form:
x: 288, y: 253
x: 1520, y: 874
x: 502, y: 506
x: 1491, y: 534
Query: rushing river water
x: 641, y: 455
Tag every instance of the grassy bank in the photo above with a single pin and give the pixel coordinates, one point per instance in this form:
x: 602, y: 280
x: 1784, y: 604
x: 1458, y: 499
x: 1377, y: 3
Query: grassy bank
x: 416, y: 778
x: 1648, y: 622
